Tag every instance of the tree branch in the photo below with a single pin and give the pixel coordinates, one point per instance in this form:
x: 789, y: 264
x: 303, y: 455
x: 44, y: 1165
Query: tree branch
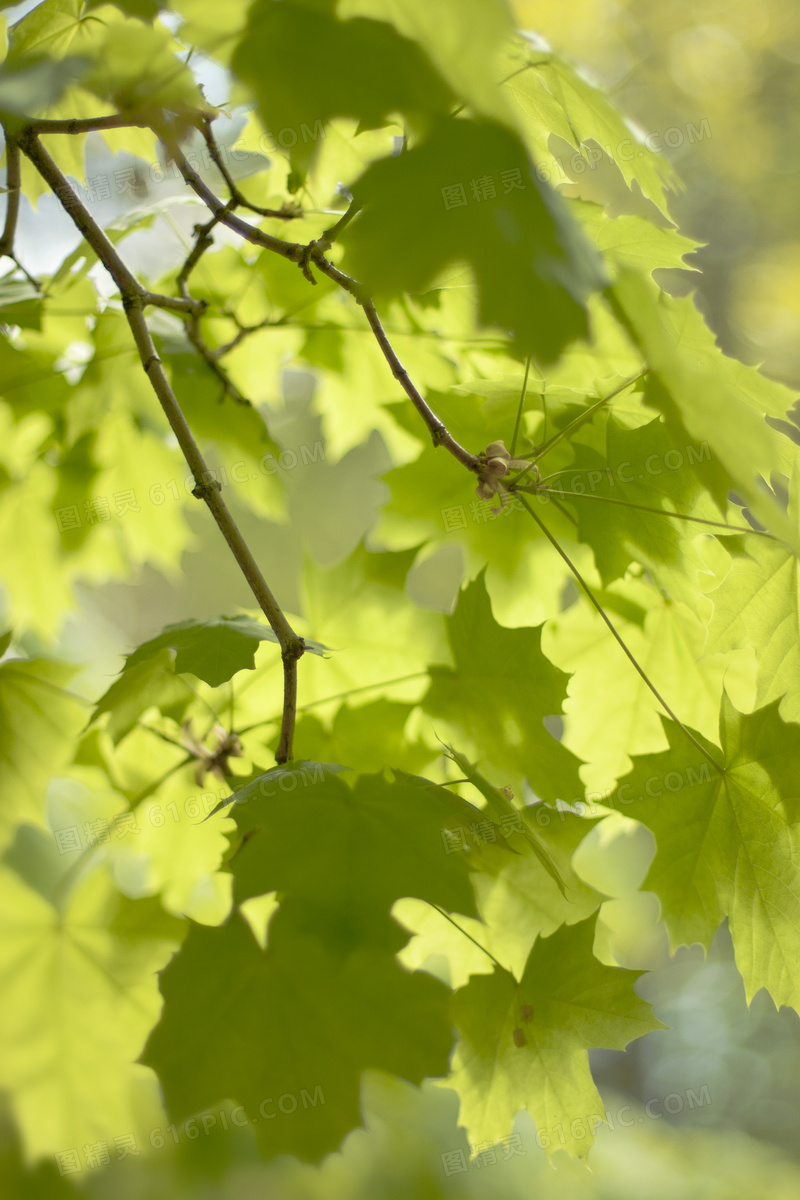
x: 203, y: 242
x: 182, y: 304
x: 12, y: 201
x: 314, y: 253
x: 13, y: 183
x: 134, y: 300
x: 89, y: 124
x: 237, y: 199
x: 438, y: 430
x: 224, y: 212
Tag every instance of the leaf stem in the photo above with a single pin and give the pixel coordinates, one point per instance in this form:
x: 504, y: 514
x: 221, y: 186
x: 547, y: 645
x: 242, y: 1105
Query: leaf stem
x: 368, y: 687
x: 658, y: 512
x: 159, y: 733
x: 597, y: 605
x: 154, y: 786
x: 515, y: 435
x: 474, y: 941
x: 587, y: 415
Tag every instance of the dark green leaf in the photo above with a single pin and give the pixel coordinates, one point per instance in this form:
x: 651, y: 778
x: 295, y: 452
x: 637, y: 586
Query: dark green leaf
x: 321, y: 68
x: 468, y: 193
x: 213, y: 650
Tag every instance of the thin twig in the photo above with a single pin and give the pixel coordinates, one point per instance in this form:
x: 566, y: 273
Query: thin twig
x: 223, y: 212
x: 244, y: 331
x: 13, y: 188
x: 287, y: 213
x: 304, y: 256
x: 12, y: 199
x: 134, y: 299
x: 203, y: 242
x: 330, y: 235
x: 89, y: 124
x: 182, y: 304
x: 438, y: 430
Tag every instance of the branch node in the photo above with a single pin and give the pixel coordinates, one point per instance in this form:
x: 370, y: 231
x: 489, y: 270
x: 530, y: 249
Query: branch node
x: 293, y: 651
x: 151, y: 362
x: 202, y: 491
x: 305, y: 261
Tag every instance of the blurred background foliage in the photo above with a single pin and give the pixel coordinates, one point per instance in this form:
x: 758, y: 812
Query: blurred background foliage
x: 735, y: 65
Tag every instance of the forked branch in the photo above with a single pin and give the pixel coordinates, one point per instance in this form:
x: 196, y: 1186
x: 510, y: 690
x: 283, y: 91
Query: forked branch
x: 134, y: 300
x: 314, y: 254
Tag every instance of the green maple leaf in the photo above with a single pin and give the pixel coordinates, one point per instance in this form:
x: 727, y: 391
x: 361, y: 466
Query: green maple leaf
x: 20, y: 302
x: 135, y: 65
x: 460, y: 36
x: 295, y: 1023
x: 326, y: 998
x: 667, y: 641
x: 145, y: 9
x: 39, y: 722
x: 628, y: 241
x: 213, y: 650
x: 362, y: 848
x: 371, y: 735
x: 703, y: 403
x: 47, y: 31
x: 532, y: 264
x: 524, y: 1045
x: 640, y: 467
x: 592, y: 117
x: 498, y: 693
x: 727, y: 842
x: 553, y: 102
x: 378, y: 72
x: 758, y: 604
x: 150, y: 684
x: 522, y: 901
x: 30, y: 381
x: 79, y: 996
x: 360, y: 609
x: 519, y: 900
